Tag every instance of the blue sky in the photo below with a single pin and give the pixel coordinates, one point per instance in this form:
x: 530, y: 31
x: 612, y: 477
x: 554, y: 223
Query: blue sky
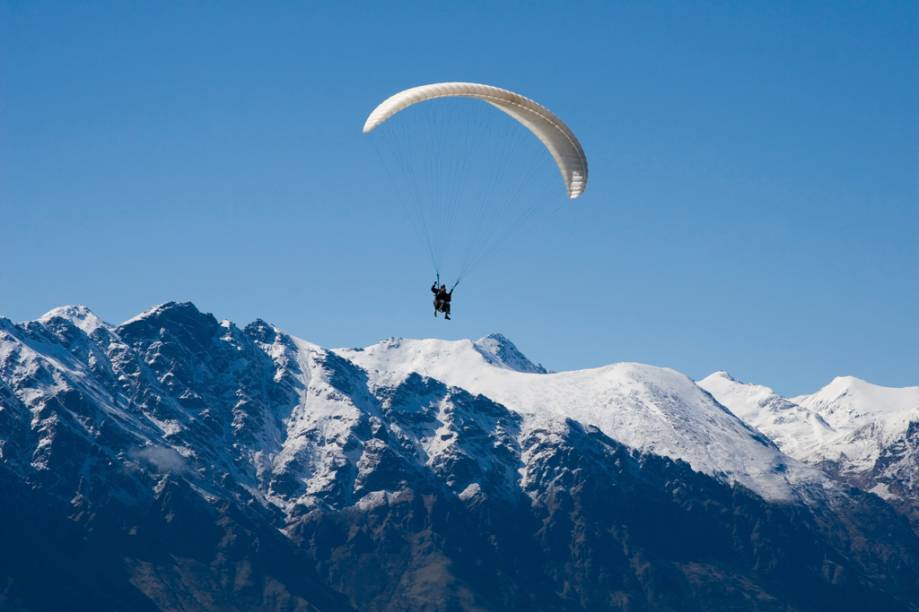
x: 752, y: 203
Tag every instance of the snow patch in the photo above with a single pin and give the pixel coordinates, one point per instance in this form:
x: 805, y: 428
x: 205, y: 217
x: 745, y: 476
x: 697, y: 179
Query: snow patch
x: 165, y: 459
x: 470, y: 491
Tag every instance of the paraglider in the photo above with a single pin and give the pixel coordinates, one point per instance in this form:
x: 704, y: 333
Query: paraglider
x: 438, y: 154
x: 560, y: 141
x: 442, y: 299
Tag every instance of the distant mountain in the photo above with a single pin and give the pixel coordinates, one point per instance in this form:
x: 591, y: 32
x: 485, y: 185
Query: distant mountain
x: 180, y: 462
x: 864, y: 434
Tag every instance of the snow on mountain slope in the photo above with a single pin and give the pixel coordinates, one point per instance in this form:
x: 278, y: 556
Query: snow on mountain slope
x: 865, y: 434
x: 80, y: 316
x: 867, y: 417
x: 499, y: 351
x: 302, y: 451
x: 656, y: 410
x: 849, y: 422
x: 176, y: 433
x: 799, y: 432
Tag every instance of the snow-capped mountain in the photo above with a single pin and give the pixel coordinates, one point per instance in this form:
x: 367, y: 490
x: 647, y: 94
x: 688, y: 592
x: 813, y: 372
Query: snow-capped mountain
x: 866, y: 434
x: 178, y: 461
x: 656, y: 410
x: 798, y: 431
x: 869, y: 419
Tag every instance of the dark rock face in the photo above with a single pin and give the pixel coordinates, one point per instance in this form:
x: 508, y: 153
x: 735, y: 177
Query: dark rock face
x: 177, y: 462
x: 897, y: 469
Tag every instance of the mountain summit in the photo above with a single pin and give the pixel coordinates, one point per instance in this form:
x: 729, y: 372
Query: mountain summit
x: 498, y: 350
x: 180, y: 461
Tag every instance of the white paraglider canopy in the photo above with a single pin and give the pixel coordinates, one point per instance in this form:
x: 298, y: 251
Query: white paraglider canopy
x: 560, y: 141
x: 468, y: 177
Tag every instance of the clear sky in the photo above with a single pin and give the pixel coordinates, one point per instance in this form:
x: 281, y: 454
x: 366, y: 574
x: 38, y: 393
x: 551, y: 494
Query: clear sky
x: 752, y: 204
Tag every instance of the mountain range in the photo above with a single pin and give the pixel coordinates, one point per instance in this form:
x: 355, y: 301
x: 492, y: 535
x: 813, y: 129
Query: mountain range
x: 177, y: 461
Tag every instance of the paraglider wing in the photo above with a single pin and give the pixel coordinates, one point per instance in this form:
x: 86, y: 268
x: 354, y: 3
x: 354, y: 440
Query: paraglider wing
x: 560, y: 141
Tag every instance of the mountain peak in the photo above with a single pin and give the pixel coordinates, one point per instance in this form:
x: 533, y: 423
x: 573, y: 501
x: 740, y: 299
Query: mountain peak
x: 848, y: 382
x: 170, y: 310
x: 748, y: 401
x: 719, y: 375
x: 862, y: 398
x: 179, y: 320
x: 79, y: 315
x: 498, y: 350
x: 856, y: 389
x: 262, y: 330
